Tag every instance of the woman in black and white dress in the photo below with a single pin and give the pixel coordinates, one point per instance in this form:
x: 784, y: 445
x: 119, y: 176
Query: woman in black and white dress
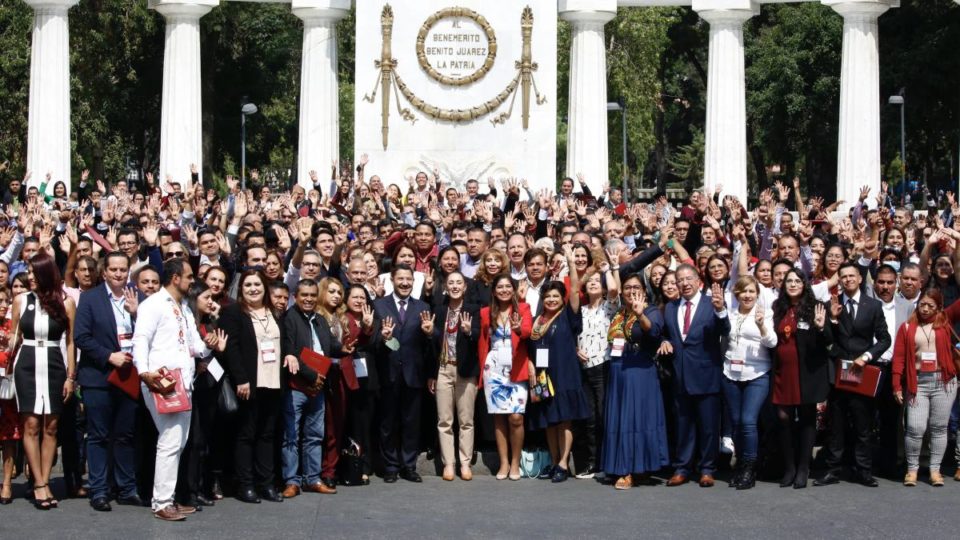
x: 44, y: 381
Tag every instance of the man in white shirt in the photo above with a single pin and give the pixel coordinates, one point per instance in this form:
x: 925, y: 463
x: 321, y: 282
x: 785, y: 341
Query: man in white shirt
x: 166, y: 337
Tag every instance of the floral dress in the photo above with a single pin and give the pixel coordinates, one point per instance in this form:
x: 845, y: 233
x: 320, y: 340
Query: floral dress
x: 503, y: 395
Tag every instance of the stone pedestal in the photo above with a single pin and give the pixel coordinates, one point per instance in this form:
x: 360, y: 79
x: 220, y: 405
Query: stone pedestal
x: 587, y: 143
x: 181, y: 134
x: 858, y: 157
x: 726, y: 126
x: 319, y: 142
x: 48, y: 132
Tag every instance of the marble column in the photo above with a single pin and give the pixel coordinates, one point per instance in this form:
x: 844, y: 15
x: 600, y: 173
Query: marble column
x: 181, y: 134
x: 858, y: 157
x: 726, y: 126
x: 48, y: 125
x: 587, y: 144
x: 319, y: 142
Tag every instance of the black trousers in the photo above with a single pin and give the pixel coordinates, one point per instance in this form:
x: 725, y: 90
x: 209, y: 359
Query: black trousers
x: 399, y: 426
x: 890, y: 417
x: 70, y: 433
x: 361, y: 409
x: 193, y: 470
x: 851, y: 414
x: 256, y: 431
x: 589, y: 432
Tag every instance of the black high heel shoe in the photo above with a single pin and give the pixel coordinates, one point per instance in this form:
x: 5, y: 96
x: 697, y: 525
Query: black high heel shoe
x: 40, y: 504
x: 7, y: 500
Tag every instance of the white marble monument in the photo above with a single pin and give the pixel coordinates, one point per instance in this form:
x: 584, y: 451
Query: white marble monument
x: 467, y: 87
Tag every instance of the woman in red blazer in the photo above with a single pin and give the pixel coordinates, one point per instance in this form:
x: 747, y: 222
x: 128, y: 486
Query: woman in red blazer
x: 925, y: 380
x: 505, y: 326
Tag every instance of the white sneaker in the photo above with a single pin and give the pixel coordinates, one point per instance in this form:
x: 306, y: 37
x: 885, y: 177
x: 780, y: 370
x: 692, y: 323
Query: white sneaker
x: 726, y: 445
x: 587, y: 474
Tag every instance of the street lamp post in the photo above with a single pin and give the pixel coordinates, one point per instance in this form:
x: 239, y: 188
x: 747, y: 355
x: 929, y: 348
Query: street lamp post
x: 898, y: 100
x: 246, y: 110
x: 622, y: 107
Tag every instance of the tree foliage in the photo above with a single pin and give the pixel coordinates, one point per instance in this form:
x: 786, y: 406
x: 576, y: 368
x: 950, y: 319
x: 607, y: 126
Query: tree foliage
x: 656, y: 65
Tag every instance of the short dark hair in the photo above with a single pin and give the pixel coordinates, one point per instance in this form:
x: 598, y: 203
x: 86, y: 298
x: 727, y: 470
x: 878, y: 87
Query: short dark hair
x: 887, y: 268
x: 117, y: 255
x: 848, y: 264
x: 173, y: 267
x: 401, y: 267
x: 306, y: 282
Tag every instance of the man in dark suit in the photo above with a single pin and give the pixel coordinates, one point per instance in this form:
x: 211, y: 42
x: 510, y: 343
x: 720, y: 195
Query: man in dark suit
x: 860, y: 338
x: 103, y: 333
x: 896, y: 311
x: 694, y: 325
x: 405, y: 358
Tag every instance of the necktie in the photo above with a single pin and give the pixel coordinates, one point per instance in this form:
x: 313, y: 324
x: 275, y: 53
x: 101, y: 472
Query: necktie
x: 852, y: 308
x: 403, y: 311
x: 686, y: 318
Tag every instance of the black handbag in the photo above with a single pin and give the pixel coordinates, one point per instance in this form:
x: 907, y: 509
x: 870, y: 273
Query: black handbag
x: 227, y: 400
x: 352, y: 465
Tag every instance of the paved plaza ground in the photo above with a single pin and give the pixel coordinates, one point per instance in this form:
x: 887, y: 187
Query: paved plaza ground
x: 486, y: 508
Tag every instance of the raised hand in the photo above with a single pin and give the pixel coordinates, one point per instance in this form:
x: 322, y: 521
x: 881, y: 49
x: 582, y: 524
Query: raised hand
x: 515, y: 321
x: 835, y: 307
x: 426, y: 322
x: 638, y: 302
x: 864, y: 193
x: 819, y: 316
x: 758, y: 315
x: 717, y: 298
x: 465, y: 322
x: 367, y: 316
x: 130, y: 300
x: 386, y: 329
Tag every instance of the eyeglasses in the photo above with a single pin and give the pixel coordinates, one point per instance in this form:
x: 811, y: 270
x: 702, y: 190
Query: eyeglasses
x: 173, y: 254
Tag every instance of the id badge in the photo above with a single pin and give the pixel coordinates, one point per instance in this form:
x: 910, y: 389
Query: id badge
x: 360, y: 367
x: 543, y: 358
x: 505, y: 356
x: 736, y: 366
x: 616, y: 349
x: 125, y: 338
x: 928, y: 362
x: 268, y: 352
x: 803, y: 326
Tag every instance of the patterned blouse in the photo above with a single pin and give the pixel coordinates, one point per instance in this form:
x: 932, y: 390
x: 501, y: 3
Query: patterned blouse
x: 593, y: 339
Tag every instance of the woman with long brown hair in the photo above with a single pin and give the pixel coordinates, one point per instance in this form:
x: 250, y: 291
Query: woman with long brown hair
x: 492, y: 264
x: 41, y: 319
x: 505, y: 327
x: 331, y: 307
x: 925, y: 380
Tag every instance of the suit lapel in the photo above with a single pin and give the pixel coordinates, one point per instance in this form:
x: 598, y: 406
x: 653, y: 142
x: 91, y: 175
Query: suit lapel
x: 108, y: 308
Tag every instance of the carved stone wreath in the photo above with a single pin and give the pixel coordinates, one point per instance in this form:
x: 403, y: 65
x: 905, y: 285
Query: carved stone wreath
x: 457, y: 12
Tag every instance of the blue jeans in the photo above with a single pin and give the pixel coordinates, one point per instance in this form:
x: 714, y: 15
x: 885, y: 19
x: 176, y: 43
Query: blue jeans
x: 744, y: 401
x: 297, y: 406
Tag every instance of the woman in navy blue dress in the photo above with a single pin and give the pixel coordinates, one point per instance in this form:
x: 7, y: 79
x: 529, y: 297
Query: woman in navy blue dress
x: 635, y: 436
x: 554, y: 342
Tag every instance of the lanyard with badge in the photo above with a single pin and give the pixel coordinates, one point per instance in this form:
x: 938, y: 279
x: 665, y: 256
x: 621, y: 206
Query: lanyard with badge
x: 738, y: 356
x: 928, y: 360
x: 124, y: 326
x: 268, y: 350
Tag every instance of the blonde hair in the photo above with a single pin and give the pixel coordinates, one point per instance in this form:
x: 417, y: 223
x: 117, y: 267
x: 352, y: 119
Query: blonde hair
x: 743, y: 282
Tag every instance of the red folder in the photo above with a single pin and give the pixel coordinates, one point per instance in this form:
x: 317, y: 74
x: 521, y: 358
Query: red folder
x: 867, y: 383
x: 175, y: 401
x: 315, y: 361
x: 349, y: 373
x: 127, y: 379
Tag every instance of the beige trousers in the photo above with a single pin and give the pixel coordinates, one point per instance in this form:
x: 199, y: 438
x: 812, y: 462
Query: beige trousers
x: 455, y: 392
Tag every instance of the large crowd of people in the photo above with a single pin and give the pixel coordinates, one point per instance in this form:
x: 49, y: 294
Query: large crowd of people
x: 174, y: 344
